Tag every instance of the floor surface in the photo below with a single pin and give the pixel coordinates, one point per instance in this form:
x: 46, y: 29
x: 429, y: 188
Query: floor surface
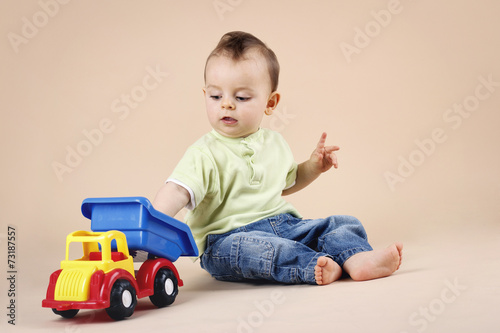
x: 446, y: 284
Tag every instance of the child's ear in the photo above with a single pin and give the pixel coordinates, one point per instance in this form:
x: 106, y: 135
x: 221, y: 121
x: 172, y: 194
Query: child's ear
x: 272, y: 103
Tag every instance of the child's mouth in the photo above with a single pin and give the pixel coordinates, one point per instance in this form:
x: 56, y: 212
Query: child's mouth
x: 229, y: 120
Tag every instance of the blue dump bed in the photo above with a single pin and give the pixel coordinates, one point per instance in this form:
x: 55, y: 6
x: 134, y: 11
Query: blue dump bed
x: 145, y: 228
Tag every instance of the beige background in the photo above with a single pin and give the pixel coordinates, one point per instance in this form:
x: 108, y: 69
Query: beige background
x: 68, y: 67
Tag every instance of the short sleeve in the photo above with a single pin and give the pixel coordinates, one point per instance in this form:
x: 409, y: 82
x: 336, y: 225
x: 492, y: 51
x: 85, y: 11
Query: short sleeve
x: 291, y: 176
x: 197, y: 173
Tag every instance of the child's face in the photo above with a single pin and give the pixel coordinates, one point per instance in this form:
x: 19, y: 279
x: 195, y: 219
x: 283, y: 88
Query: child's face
x: 238, y: 94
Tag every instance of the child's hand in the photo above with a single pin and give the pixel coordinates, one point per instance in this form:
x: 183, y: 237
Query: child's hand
x: 323, y: 157
x: 321, y: 160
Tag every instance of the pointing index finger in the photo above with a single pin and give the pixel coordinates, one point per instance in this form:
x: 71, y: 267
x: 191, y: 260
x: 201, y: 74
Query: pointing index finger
x: 322, y: 140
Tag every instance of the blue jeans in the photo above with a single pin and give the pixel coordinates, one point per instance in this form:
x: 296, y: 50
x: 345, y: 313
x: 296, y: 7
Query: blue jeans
x: 282, y: 248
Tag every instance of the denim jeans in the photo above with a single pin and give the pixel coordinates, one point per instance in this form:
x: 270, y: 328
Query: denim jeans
x: 282, y: 248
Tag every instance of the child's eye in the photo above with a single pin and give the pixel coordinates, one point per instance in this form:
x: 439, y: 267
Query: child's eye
x: 215, y: 97
x: 242, y: 99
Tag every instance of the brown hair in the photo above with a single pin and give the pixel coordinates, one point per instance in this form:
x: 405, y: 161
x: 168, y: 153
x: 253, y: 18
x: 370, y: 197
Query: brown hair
x: 236, y: 43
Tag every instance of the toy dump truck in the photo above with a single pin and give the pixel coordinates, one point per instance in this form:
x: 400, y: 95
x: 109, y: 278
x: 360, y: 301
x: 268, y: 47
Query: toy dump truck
x: 104, y: 276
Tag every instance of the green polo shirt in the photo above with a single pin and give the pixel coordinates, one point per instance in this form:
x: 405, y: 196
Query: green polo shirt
x: 235, y: 181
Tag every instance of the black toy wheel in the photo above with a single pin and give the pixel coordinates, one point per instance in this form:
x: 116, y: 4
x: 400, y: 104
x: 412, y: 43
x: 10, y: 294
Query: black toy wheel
x: 166, y: 288
x: 122, y: 300
x: 66, y: 313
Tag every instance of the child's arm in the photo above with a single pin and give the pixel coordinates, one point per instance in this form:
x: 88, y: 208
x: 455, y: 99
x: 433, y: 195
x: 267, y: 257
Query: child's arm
x: 171, y: 198
x: 321, y: 160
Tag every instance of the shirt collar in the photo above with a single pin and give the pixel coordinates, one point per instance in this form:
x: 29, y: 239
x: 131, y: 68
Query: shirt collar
x: 252, y: 137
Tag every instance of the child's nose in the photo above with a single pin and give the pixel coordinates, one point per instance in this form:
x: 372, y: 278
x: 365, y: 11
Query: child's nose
x: 228, y: 104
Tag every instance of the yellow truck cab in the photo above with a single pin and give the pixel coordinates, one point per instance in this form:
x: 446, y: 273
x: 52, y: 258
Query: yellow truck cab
x: 73, y: 282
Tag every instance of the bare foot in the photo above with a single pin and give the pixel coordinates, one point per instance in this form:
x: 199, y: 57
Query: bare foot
x: 375, y: 264
x: 326, y: 271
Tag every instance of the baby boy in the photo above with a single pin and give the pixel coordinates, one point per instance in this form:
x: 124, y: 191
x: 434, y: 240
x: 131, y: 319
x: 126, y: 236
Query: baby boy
x: 233, y: 179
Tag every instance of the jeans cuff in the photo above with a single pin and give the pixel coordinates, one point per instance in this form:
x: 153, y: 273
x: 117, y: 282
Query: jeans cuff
x: 342, y: 257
